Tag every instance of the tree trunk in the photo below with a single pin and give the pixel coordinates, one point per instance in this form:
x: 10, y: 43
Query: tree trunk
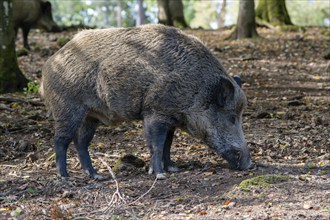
x: 107, y: 15
x: 273, y: 12
x: 11, y: 78
x: 140, y: 14
x: 246, y: 25
x: 222, y: 14
x: 170, y: 12
x: 119, y: 17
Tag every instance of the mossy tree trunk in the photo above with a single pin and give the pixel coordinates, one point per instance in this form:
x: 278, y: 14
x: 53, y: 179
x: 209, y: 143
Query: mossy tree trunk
x: 11, y: 78
x: 170, y: 12
x: 273, y: 12
x: 246, y: 25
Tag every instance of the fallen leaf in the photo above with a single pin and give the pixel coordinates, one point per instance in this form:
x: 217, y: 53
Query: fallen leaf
x: 227, y: 202
x: 17, y: 212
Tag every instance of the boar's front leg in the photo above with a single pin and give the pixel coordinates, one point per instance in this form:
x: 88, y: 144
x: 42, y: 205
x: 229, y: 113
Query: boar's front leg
x: 156, y: 134
x: 168, y: 163
x: 81, y: 141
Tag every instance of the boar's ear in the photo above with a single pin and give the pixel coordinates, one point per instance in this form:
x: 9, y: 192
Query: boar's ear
x: 46, y: 6
x: 226, y: 92
x: 238, y: 80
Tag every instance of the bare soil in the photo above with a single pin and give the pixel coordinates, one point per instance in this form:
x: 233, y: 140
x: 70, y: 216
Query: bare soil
x: 287, y: 126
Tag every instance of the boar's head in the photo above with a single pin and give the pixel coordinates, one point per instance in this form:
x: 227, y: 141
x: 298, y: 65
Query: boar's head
x: 46, y: 21
x: 216, y: 118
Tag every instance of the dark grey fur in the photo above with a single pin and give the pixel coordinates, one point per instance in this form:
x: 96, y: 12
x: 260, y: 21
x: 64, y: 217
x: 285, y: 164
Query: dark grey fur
x: 29, y: 14
x: 152, y: 73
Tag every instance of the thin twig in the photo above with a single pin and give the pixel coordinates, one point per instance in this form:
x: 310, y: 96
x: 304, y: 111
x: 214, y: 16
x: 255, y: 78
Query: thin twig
x: 116, y: 198
x: 144, y: 194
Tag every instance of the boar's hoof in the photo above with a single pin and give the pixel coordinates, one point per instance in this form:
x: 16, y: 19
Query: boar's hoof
x: 173, y: 169
x: 161, y: 176
x: 63, y: 173
x: 99, y: 177
x: 150, y: 171
x: 94, y: 175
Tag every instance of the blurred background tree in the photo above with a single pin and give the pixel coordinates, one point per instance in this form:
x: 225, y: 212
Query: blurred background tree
x: 246, y: 25
x: 170, y: 12
x: 11, y: 77
x: 273, y: 12
x: 208, y: 14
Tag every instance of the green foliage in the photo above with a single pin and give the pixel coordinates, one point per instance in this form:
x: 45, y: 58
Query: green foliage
x: 202, y: 8
x: 31, y: 190
x: 309, y: 13
x: 17, y: 212
x: 32, y: 88
x: 189, y: 10
x: 102, y: 13
x: 198, y: 13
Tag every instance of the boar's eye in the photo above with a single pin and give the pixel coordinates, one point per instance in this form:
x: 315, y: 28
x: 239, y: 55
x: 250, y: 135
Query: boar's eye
x: 232, y: 119
x: 238, y: 154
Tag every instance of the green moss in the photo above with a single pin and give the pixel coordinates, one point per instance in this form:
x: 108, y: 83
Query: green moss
x: 62, y: 41
x: 22, y: 52
x: 292, y: 28
x: 325, y: 32
x: 264, y: 181
x: 273, y: 12
x: 118, y: 166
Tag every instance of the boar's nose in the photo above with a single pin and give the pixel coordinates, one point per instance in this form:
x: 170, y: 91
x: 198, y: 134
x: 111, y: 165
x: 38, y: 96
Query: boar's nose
x: 248, y: 166
x: 56, y: 29
x: 251, y: 166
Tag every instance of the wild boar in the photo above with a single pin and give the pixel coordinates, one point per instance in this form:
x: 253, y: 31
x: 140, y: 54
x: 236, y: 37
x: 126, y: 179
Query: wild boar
x: 152, y: 73
x: 29, y: 14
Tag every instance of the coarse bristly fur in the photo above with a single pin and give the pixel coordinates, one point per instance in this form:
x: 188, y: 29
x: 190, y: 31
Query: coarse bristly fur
x: 153, y: 73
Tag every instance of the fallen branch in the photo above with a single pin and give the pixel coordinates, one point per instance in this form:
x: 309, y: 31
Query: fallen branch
x: 11, y: 99
x: 244, y: 58
x: 4, y: 107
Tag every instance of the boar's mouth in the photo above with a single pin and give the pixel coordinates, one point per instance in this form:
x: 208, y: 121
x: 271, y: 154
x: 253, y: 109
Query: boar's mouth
x: 237, y: 159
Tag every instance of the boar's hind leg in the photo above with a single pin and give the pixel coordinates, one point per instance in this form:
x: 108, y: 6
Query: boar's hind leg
x: 156, y: 134
x: 66, y: 126
x: 82, y: 140
x: 26, y: 31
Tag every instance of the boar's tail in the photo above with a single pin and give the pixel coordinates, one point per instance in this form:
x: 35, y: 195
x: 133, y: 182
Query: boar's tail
x: 42, y: 94
x: 41, y: 90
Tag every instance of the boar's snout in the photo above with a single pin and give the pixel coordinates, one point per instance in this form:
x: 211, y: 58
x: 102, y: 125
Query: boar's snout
x: 55, y: 28
x: 248, y: 166
x: 238, y: 158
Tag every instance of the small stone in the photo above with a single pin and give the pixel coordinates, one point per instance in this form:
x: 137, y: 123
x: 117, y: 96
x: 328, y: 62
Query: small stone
x: 307, y: 205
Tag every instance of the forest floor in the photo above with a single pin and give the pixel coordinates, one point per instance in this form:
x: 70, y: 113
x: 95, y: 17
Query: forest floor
x: 287, y: 126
